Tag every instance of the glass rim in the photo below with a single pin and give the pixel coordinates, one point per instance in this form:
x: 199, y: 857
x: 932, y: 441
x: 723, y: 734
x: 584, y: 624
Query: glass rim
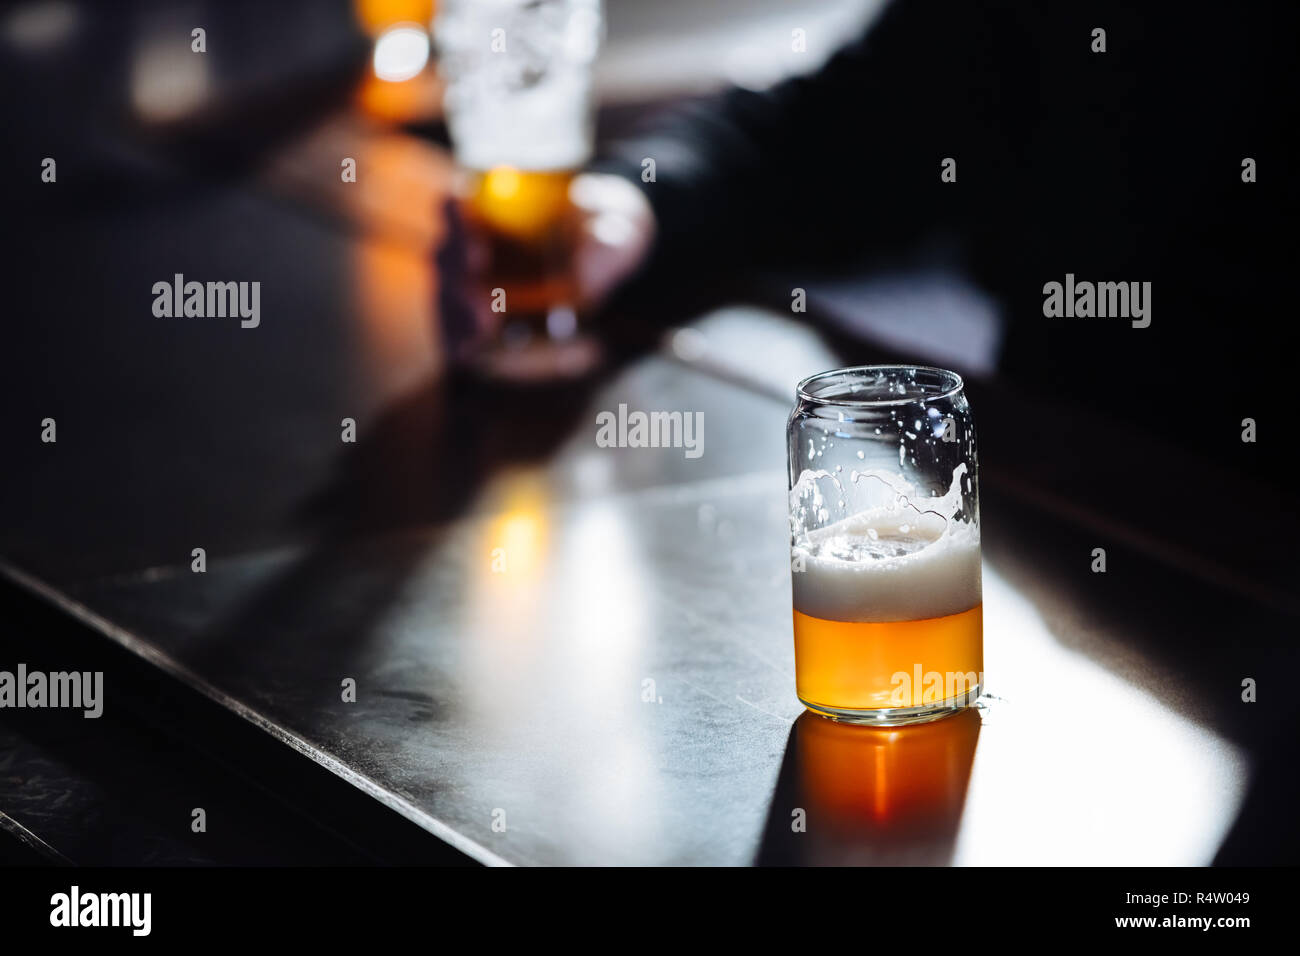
x: 802, y: 394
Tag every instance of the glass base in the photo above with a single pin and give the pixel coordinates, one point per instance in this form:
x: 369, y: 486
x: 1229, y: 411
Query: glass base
x: 897, y: 716
x: 540, y: 360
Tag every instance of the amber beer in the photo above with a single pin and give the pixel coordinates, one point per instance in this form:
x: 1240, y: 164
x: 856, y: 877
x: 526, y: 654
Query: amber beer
x: 866, y: 665
x: 525, y: 228
x: 888, y: 615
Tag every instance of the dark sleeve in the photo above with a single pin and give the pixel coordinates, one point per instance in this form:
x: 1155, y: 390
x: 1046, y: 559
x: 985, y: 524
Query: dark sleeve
x: 846, y: 159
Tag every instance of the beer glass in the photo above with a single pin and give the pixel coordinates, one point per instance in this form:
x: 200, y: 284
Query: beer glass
x: 885, y: 545
x: 519, y: 107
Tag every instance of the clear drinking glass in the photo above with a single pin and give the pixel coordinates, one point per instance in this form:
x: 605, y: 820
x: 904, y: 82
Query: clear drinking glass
x: 519, y: 107
x: 885, y: 544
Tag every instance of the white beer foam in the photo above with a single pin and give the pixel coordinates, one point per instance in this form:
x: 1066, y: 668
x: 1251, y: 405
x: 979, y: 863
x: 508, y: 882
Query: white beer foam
x: 888, y: 564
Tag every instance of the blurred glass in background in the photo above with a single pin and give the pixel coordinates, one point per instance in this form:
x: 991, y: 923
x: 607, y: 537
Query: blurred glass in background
x: 519, y: 109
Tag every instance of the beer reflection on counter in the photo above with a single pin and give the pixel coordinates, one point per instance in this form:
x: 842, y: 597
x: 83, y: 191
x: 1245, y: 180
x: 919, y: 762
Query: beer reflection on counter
x: 850, y: 795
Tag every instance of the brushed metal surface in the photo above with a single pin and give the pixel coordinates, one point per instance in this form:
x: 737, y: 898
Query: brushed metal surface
x: 522, y: 695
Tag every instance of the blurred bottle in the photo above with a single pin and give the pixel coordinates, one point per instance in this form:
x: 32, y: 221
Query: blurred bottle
x: 519, y: 108
x: 378, y: 16
x: 400, y: 86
